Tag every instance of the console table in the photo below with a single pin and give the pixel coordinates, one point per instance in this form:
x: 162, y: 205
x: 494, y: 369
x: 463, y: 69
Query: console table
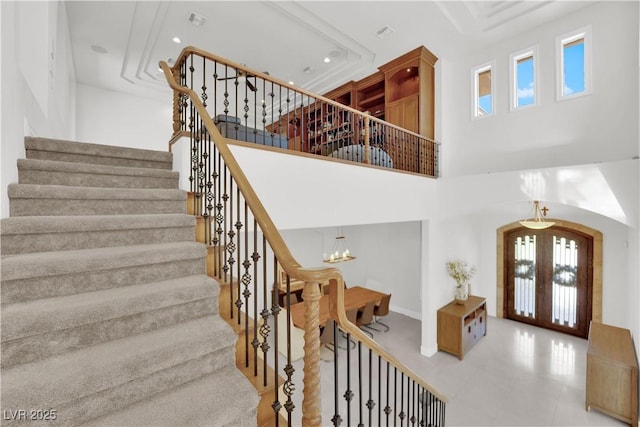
x: 612, y: 373
x: 460, y: 326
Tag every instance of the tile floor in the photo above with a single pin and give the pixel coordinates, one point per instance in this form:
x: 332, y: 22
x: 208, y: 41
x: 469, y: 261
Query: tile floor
x: 518, y: 375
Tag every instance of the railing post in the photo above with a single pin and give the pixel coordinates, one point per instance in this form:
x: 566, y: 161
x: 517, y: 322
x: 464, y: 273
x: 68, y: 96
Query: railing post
x: 367, y: 151
x: 311, y: 403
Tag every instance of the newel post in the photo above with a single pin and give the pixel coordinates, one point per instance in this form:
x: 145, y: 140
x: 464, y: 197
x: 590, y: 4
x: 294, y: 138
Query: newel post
x: 311, y: 404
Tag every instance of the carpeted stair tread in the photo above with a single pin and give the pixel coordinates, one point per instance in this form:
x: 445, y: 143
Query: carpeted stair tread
x: 51, y: 314
x: 34, y: 171
x: 60, y: 224
x: 58, y: 381
x: 62, y: 150
x: 28, y: 234
x: 48, y: 200
x: 38, y: 191
x: 222, y: 399
x: 43, y: 264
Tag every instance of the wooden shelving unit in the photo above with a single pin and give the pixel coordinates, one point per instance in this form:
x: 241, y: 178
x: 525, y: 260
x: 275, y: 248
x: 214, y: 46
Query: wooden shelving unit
x: 460, y: 326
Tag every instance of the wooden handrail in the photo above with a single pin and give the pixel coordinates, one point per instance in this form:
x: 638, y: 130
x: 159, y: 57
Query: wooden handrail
x: 194, y: 50
x: 311, y: 404
x: 339, y: 314
x: 280, y: 249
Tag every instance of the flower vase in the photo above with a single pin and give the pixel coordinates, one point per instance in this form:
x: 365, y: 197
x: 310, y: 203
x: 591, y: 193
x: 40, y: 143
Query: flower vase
x: 462, y: 293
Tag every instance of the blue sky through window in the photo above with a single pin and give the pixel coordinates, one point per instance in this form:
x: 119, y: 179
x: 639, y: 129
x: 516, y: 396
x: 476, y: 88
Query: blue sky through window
x: 524, y: 73
x: 485, y: 103
x: 573, y: 78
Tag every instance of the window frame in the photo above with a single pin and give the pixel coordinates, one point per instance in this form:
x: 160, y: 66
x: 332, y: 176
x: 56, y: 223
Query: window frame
x: 561, y: 41
x: 475, y: 84
x: 513, y: 77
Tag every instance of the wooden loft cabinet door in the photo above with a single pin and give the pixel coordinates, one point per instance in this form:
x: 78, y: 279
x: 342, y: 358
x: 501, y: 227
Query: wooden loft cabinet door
x: 405, y: 113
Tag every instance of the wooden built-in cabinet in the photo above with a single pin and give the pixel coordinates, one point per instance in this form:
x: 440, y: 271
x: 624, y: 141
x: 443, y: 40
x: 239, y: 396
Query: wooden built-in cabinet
x: 460, y: 326
x: 612, y: 373
x: 401, y: 92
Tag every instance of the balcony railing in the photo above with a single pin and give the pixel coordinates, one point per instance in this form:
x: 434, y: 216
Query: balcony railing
x: 246, y: 252
x: 251, y: 106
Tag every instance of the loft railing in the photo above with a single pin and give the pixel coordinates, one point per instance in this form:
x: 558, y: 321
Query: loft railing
x: 246, y: 252
x: 251, y: 106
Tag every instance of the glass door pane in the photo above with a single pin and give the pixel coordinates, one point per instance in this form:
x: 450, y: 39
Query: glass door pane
x: 524, y: 277
x: 565, y: 289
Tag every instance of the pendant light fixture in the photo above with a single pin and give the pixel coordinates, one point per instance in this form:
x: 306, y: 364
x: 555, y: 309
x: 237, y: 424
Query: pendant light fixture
x: 537, y: 221
x: 340, y: 251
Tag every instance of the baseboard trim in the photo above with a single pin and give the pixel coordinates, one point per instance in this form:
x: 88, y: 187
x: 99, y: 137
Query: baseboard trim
x: 410, y: 313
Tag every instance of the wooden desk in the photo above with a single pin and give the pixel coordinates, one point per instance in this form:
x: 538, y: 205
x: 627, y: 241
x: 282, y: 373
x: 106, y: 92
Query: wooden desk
x: 354, y: 298
x: 612, y: 373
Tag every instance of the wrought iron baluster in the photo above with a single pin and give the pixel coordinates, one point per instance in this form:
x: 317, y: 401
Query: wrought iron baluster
x: 370, y: 403
x: 395, y: 394
x: 238, y: 250
x: 225, y: 101
x: 246, y: 281
x: 387, y: 408
x: 288, y: 386
x: 348, y: 394
x: 217, y: 240
x: 336, y: 419
x: 360, y: 421
x: 255, y: 258
x: 275, y: 310
x: 225, y: 246
x: 215, y: 88
x: 265, y: 328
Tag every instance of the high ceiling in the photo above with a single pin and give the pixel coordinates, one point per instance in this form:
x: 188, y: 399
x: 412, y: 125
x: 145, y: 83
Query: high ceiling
x: 117, y: 44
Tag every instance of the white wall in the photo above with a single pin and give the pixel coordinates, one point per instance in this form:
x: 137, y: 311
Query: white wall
x: 602, y: 126
x: 115, y: 118
x: 37, y: 81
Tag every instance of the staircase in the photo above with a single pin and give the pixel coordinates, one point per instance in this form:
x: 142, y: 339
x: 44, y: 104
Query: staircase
x: 108, y: 316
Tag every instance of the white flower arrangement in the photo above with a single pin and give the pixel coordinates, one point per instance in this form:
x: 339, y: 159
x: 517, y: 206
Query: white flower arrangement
x: 460, y: 271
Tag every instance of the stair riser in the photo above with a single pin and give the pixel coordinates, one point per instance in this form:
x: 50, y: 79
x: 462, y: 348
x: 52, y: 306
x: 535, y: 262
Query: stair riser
x: 116, y: 398
x: 34, y: 288
x: 94, y: 180
x: 96, y: 160
x: 28, y: 349
x: 45, y: 242
x: 40, y: 207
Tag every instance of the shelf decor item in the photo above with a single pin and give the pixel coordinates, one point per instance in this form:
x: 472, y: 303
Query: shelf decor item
x: 462, y: 273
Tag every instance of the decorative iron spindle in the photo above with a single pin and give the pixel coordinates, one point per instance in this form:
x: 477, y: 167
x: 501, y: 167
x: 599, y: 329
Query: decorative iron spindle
x: 275, y: 310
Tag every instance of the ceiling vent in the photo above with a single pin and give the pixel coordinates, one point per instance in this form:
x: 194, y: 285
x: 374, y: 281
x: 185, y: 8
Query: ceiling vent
x: 385, y: 31
x: 197, y: 20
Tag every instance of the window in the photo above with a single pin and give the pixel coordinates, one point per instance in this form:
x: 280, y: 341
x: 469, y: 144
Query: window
x: 483, y: 97
x: 524, y: 78
x: 574, y: 64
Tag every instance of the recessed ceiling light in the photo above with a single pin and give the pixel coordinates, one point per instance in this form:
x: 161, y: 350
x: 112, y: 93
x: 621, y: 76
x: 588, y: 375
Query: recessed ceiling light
x: 291, y: 83
x: 98, y: 49
x: 197, y: 20
x: 176, y: 40
x: 327, y: 60
x: 335, y: 53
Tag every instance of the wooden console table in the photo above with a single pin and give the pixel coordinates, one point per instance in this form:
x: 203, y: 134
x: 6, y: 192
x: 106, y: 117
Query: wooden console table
x: 460, y: 326
x: 612, y: 373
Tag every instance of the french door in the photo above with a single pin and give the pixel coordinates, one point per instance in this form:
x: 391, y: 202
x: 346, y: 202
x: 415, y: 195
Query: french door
x: 549, y: 277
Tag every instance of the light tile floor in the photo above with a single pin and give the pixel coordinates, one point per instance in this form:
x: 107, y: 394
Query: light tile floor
x: 518, y: 375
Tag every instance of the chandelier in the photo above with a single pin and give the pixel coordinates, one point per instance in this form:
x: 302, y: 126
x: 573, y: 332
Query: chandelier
x: 537, y: 222
x: 340, y: 251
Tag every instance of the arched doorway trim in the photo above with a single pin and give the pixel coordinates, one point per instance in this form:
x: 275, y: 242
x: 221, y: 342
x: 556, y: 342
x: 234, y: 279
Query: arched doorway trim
x: 596, y: 300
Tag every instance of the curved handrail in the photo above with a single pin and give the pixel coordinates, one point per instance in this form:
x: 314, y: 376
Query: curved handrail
x: 323, y: 275
x: 281, y: 250
x: 339, y: 314
x: 194, y: 50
